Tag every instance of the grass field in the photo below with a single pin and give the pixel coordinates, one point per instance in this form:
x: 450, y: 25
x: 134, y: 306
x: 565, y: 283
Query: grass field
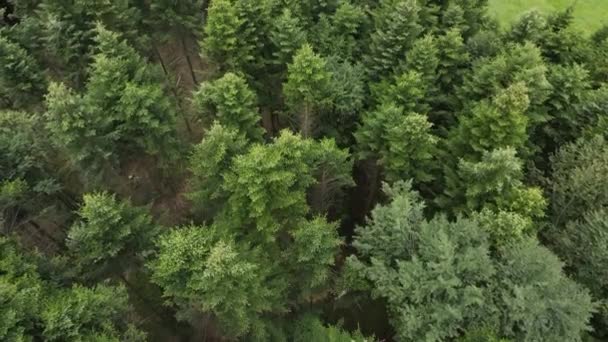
x: 590, y: 14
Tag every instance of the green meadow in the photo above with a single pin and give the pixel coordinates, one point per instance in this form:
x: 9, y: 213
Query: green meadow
x: 590, y: 14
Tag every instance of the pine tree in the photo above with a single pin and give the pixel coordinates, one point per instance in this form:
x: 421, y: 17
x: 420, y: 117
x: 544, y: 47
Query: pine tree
x: 518, y: 63
x: 210, y: 160
x: 340, y: 34
x: 423, y: 58
x: 124, y: 105
x: 28, y: 183
x: 221, y: 42
x: 559, y: 309
x: 287, y: 36
x: 110, y: 234
x: 395, y: 29
x: 401, y: 141
x: 201, y: 271
x: 578, y: 184
x: 231, y: 102
x: 491, y: 125
x: 307, y: 89
x: 495, y: 183
x: 421, y: 267
x: 88, y: 314
x: 22, y: 83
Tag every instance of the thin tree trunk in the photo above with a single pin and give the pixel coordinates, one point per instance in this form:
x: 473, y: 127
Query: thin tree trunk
x: 185, y: 49
x: 173, y: 91
x: 58, y: 243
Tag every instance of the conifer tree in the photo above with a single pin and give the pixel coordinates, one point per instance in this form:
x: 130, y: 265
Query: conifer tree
x: 231, y: 102
x: 307, y: 89
x: 396, y: 27
x: 222, y: 43
x: 110, y: 233
x: 401, y: 141
x: 287, y: 36
x: 201, y: 271
x: 518, y: 63
x: 123, y: 105
x: 210, y: 160
x: 490, y: 125
x: 398, y: 243
x: 22, y: 82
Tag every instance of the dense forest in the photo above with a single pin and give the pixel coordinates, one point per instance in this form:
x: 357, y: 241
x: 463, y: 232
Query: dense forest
x: 301, y: 170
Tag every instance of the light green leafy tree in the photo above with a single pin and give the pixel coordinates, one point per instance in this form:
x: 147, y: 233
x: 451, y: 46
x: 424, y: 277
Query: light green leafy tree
x: 28, y: 183
x: 578, y: 184
x: 21, y: 293
x: 265, y: 220
x: 495, y: 182
x: 36, y: 308
x: 310, y: 328
x: 339, y: 34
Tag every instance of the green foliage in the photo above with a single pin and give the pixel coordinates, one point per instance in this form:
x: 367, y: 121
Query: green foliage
x: 434, y: 279
x: 235, y: 34
x: 571, y: 85
x: 307, y: 89
x: 183, y: 16
x: 401, y: 141
x: 221, y: 42
x: 396, y: 26
x: 109, y: 230
x: 33, y: 308
x: 22, y: 82
x: 583, y: 245
x: 20, y: 293
x: 407, y: 90
x: 517, y: 63
x: 211, y: 158
x: 423, y: 58
x: 68, y: 31
x: 287, y: 36
x: 264, y: 220
x: 310, y: 328
x: 85, y: 314
x: 453, y: 60
x: 198, y: 270
x: 495, y: 183
x: 488, y: 125
x: 537, y: 300
x: 579, y: 184
x: 338, y: 34
x: 347, y: 95
x: 123, y: 110
x: 231, y: 102
x: 26, y: 182
x: 484, y: 334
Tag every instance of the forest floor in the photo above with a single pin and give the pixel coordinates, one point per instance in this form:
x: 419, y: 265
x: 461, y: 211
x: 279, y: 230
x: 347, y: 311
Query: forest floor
x: 590, y: 14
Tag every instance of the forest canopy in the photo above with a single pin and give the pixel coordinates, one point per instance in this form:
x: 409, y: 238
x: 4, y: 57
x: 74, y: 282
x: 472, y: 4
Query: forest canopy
x: 312, y: 170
